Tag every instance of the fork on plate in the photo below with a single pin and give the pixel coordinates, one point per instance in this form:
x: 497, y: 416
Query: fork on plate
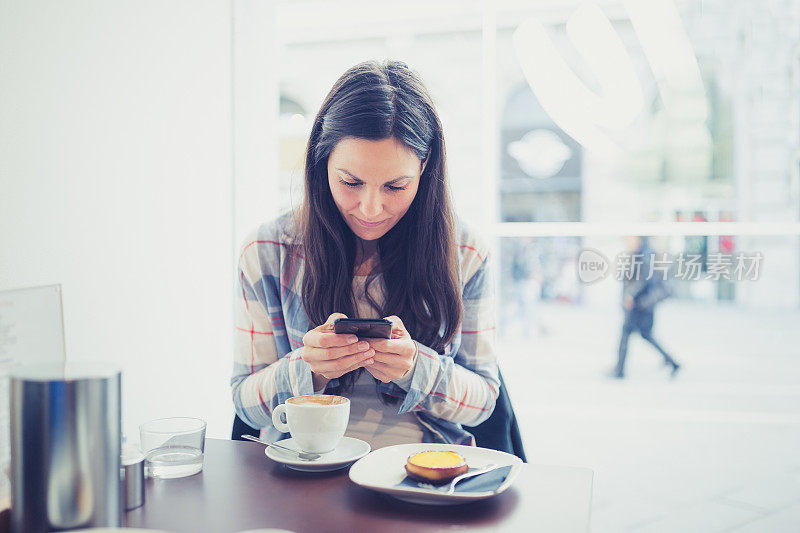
x: 452, y: 486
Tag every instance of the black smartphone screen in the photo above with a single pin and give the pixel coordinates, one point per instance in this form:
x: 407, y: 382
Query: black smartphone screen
x: 368, y: 328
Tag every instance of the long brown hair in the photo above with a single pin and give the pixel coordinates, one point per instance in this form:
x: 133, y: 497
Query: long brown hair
x: 418, y: 256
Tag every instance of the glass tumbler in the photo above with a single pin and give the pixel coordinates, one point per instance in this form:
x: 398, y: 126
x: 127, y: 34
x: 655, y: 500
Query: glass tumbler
x: 173, y: 447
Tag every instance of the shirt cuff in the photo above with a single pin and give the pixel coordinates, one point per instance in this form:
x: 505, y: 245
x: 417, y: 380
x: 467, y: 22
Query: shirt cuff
x: 428, y: 366
x: 292, y: 377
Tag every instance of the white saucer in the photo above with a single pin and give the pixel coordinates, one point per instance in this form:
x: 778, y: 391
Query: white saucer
x: 348, y: 450
x: 383, y: 469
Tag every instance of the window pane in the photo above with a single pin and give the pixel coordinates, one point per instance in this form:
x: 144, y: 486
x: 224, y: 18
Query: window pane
x: 672, y: 112
x: 724, y: 428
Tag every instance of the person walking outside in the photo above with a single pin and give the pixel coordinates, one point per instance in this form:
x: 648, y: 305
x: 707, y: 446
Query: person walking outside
x: 642, y: 291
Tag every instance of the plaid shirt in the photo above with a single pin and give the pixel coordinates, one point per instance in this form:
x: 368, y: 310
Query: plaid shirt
x: 443, y: 391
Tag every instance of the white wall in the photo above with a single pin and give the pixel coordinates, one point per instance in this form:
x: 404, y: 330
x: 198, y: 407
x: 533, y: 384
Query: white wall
x: 115, y: 181
x: 255, y: 114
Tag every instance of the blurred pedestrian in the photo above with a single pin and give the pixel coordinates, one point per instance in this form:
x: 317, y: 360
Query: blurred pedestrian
x: 642, y: 291
x: 526, y: 275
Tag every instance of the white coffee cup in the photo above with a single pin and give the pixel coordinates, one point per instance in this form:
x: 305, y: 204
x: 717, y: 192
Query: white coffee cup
x: 317, y: 422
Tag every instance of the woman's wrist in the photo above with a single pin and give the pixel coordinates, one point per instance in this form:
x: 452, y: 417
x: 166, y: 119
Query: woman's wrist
x: 413, y: 360
x: 405, y: 380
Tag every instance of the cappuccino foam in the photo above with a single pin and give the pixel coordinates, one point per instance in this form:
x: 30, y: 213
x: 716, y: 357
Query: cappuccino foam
x: 317, y: 399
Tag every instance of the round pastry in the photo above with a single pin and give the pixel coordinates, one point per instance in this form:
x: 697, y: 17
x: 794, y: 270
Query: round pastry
x: 435, y: 467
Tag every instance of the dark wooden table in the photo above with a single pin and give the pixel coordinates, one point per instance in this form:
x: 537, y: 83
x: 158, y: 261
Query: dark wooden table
x: 240, y: 488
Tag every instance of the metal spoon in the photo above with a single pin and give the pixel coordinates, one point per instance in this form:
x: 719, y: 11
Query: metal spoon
x: 302, y: 455
x: 488, y: 468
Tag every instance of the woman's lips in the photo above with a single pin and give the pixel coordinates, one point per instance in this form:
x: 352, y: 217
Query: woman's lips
x: 369, y: 224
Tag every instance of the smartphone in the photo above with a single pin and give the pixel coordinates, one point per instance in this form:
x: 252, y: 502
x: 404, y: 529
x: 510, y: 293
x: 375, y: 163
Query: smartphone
x: 368, y: 328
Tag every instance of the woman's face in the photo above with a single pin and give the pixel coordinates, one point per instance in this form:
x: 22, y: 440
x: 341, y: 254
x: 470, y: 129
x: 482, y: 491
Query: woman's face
x: 373, y: 183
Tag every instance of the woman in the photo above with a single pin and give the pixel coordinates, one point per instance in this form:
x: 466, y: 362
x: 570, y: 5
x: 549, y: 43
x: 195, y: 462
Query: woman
x: 375, y: 237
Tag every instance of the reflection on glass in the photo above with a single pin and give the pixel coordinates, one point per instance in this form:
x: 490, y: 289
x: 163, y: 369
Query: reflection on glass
x: 570, y: 150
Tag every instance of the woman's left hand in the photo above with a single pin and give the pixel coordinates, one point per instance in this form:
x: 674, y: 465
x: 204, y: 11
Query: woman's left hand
x: 394, y: 357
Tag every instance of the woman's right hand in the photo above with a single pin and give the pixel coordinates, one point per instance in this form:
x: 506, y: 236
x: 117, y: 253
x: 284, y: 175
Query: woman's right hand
x: 331, y: 355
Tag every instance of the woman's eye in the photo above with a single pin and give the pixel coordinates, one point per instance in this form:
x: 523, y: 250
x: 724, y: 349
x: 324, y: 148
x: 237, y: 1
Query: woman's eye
x: 358, y: 184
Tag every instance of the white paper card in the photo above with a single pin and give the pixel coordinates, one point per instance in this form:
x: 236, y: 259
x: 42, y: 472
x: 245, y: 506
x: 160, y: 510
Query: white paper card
x: 31, y: 331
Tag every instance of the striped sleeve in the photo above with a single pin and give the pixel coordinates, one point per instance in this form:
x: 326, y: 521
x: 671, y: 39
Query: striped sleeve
x: 462, y: 389
x: 262, y: 378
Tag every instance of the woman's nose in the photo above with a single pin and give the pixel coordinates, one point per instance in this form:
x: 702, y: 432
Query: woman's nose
x: 371, y: 207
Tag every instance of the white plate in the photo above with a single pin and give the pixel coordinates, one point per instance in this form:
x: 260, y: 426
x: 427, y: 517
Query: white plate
x: 383, y: 469
x: 348, y: 450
